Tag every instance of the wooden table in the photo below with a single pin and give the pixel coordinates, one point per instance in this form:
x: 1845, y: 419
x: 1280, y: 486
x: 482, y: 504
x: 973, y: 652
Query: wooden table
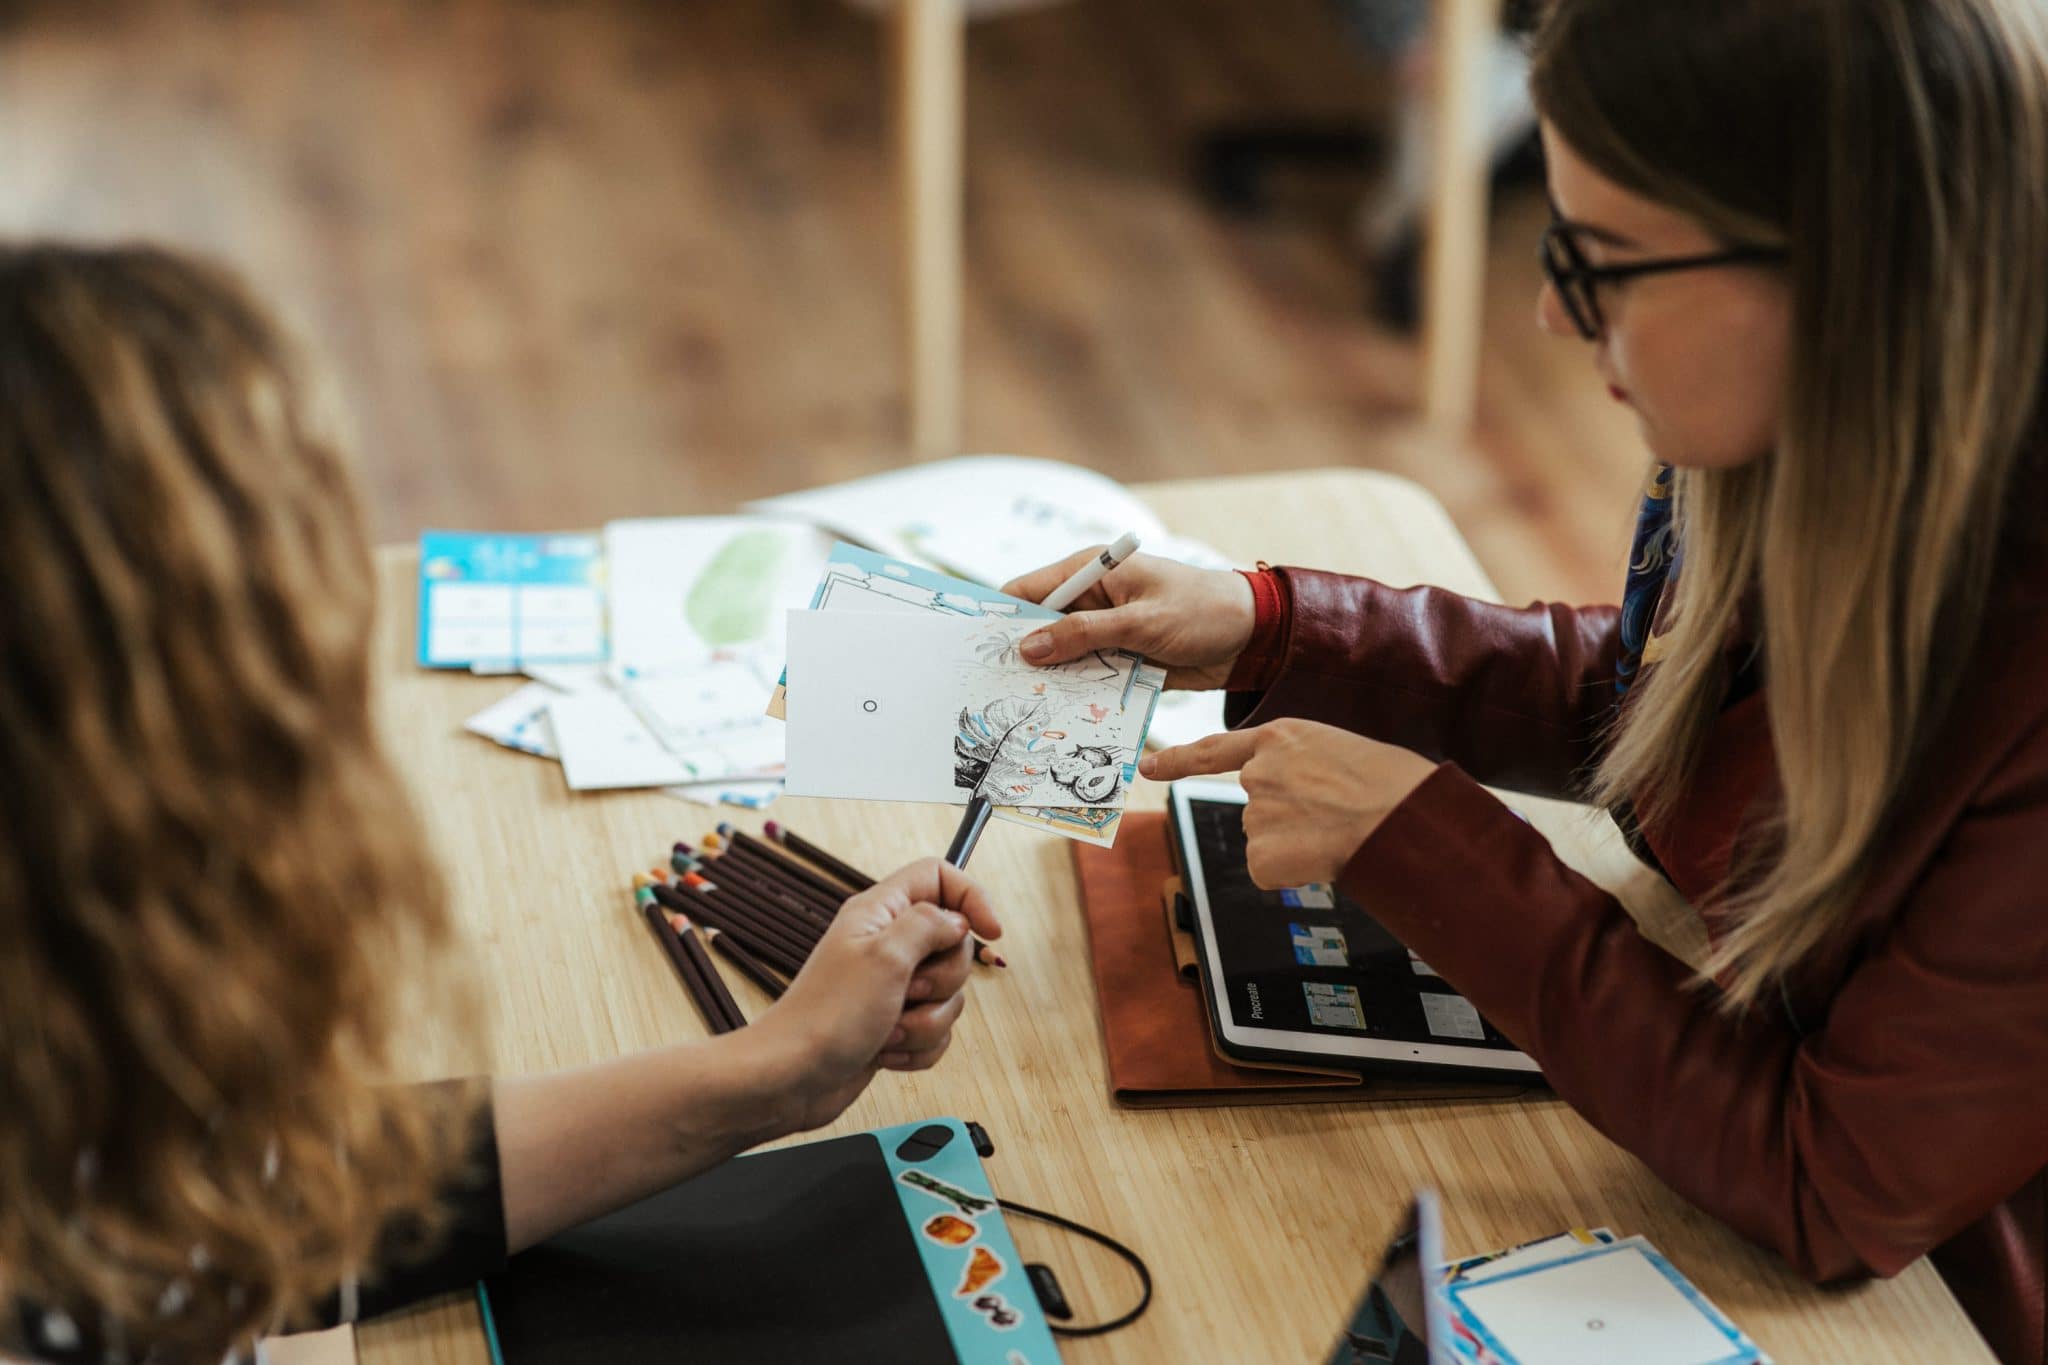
x: 931, y: 41
x: 1260, y: 1224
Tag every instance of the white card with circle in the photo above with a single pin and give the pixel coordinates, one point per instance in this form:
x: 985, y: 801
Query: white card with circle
x: 868, y: 711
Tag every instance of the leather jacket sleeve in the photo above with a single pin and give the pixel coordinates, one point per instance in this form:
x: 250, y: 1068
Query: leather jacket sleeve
x: 1518, y: 697
x: 1908, y: 1112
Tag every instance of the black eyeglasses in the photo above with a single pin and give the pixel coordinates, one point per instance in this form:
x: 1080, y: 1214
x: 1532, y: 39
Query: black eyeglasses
x: 1576, y: 279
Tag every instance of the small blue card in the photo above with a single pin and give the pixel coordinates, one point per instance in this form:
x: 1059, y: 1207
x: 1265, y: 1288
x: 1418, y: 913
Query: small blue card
x: 504, y: 601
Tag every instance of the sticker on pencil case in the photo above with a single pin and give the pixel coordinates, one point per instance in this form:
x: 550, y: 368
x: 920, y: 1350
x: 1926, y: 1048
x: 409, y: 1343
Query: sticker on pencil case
x: 969, y: 1204
x: 984, y: 1268
x: 997, y: 1310
x: 1318, y: 945
x: 948, y: 1230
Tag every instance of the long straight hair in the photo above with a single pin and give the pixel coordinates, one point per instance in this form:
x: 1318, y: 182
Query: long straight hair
x: 1898, y: 150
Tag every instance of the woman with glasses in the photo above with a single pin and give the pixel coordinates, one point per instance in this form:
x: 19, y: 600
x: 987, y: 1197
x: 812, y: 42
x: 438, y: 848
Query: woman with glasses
x: 1806, y: 241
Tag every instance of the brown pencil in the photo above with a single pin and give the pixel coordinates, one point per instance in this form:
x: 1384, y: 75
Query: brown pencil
x: 693, y: 945
x: 749, y: 966
x: 801, y: 934
x: 766, y: 881
x: 686, y: 969
x: 845, y: 872
x: 699, y: 904
x: 837, y: 892
x: 826, y: 904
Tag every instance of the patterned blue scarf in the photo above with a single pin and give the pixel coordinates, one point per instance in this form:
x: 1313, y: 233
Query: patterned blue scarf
x: 1650, y: 558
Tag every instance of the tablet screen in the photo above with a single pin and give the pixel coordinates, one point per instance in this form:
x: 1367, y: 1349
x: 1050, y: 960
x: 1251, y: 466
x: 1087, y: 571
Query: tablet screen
x: 1309, y: 960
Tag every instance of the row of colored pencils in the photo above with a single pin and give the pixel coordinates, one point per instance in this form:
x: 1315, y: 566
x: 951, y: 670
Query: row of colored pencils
x: 761, y: 904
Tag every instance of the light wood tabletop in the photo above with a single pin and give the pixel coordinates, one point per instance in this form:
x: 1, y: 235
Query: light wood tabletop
x: 1260, y: 1224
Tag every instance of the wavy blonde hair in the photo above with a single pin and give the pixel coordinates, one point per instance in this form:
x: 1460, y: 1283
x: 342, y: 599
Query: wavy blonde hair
x: 208, y: 872
x: 1899, y: 150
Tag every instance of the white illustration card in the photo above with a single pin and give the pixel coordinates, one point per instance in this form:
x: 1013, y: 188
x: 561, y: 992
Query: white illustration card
x: 927, y: 707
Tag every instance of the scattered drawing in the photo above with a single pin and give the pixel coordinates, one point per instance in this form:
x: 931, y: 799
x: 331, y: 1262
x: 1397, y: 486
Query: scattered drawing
x: 997, y: 746
x: 1094, y: 773
x: 733, y: 598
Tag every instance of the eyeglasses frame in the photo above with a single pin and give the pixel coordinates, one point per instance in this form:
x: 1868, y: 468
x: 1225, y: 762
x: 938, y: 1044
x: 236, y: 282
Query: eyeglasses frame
x: 1559, y: 240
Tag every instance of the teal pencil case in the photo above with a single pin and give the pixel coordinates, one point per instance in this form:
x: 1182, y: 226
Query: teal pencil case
x: 884, y: 1245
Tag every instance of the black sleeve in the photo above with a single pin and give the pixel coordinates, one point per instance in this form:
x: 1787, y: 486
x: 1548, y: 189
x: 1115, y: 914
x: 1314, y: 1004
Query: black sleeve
x: 470, y: 1243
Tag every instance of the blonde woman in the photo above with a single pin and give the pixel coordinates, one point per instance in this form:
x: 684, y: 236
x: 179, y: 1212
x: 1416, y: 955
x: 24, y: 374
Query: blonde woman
x: 1806, y: 241
x: 209, y: 879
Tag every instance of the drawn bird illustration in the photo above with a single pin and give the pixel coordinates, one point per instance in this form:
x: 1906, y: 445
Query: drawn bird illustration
x: 1096, y: 713
x: 1039, y: 690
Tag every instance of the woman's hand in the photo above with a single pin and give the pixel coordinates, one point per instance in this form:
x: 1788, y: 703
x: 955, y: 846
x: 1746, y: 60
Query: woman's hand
x: 1194, y: 621
x: 882, y: 988
x: 1316, y: 792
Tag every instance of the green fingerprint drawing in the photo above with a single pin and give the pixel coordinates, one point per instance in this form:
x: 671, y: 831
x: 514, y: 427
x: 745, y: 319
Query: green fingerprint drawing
x: 730, y: 601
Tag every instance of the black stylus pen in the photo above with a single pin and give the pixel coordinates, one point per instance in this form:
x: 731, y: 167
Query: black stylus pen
x: 972, y: 821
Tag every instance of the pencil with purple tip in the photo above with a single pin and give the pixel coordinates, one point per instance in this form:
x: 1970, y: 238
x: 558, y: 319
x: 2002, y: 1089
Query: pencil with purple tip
x: 780, y: 833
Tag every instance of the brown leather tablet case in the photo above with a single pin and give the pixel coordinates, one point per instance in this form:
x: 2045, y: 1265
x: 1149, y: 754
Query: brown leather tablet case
x: 1154, y: 1027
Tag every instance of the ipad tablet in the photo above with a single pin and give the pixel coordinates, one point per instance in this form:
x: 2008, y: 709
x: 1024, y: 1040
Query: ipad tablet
x: 1305, y: 976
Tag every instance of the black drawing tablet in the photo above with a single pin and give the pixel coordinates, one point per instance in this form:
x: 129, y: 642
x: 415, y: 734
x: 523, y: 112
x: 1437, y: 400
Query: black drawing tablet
x: 797, y: 1254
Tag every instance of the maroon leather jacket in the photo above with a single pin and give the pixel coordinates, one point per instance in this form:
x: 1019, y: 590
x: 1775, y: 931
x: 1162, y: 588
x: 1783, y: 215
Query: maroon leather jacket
x: 1887, y: 1106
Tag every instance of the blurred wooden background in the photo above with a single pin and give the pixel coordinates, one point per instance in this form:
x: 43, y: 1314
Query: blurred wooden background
x: 578, y: 259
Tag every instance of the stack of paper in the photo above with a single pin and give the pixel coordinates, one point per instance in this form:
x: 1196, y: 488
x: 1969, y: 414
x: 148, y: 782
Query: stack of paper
x: 696, y: 611
x: 648, y: 646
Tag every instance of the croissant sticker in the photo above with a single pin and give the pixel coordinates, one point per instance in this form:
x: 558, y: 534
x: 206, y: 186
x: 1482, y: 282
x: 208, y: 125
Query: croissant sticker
x: 984, y: 1268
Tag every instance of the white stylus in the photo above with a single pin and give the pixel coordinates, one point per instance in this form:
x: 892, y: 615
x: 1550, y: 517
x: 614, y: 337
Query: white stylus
x: 1089, y: 574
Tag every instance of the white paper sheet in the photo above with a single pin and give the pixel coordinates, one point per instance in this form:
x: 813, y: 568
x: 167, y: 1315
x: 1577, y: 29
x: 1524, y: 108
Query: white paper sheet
x: 604, y: 745
x: 1610, y: 1306
x: 918, y: 707
x: 995, y: 511
x: 518, y: 720
x: 684, y: 588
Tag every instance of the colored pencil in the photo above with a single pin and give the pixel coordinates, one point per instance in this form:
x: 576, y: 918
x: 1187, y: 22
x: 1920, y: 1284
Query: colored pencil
x: 696, y: 902
x: 713, y: 982
x: 799, y: 896
x: 693, y: 984
x: 769, y: 852
x: 749, y: 966
x: 781, y: 834
x: 723, y: 901
x: 803, y: 935
x: 861, y: 881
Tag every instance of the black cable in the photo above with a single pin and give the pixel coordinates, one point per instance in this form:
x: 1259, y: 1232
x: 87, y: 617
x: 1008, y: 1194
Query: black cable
x: 1136, y: 1262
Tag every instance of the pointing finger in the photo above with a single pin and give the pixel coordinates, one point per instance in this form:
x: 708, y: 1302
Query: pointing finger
x: 1224, y: 753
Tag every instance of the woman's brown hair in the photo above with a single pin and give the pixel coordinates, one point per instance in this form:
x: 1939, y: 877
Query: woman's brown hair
x: 1898, y: 151
x: 209, y: 875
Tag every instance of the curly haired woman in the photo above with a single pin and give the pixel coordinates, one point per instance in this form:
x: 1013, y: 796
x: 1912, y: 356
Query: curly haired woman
x: 209, y: 875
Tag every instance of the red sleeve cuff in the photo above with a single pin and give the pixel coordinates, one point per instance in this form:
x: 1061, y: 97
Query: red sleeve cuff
x: 1272, y: 614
